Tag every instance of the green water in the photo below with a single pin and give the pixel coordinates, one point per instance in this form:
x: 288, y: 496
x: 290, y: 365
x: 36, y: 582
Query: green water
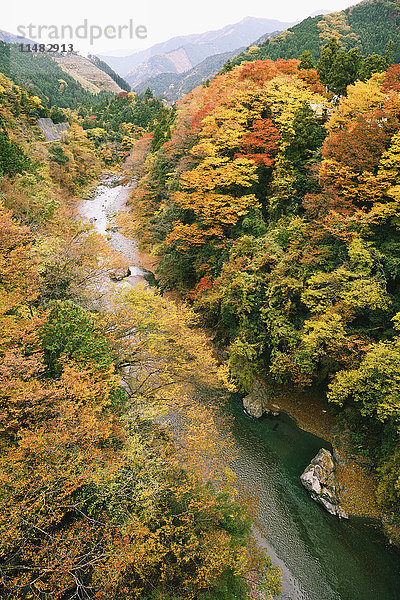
x: 321, y: 557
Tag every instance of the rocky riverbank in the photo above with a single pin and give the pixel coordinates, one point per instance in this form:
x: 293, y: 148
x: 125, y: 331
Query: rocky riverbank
x: 311, y: 413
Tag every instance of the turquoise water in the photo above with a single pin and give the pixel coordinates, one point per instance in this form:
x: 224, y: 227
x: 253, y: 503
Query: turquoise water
x: 321, y: 557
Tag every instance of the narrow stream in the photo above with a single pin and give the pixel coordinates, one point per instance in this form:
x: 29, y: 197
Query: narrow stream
x: 321, y: 557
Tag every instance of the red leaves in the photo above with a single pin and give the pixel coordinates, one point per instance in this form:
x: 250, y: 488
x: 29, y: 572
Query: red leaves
x: 201, y: 114
x: 147, y: 136
x: 260, y: 144
x: 204, y: 284
x: 392, y: 81
x: 360, y: 145
x: 261, y: 71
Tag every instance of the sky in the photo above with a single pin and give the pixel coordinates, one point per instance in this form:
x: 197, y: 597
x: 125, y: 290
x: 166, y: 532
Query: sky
x: 157, y: 20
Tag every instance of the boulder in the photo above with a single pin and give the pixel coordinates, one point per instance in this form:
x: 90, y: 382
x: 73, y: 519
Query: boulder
x: 319, y: 479
x: 253, y: 405
x: 119, y: 273
x: 256, y: 402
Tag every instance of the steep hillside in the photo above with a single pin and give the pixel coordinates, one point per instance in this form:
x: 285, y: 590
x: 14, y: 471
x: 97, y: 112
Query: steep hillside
x: 10, y: 38
x: 44, y: 77
x: 107, y: 69
x: 274, y: 208
x: 176, y: 61
x: 87, y: 74
x: 370, y: 26
x: 91, y: 475
x: 198, y: 46
x: 171, y: 86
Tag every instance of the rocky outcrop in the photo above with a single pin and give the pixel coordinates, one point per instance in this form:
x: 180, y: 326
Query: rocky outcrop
x: 258, y: 401
x: 253, y: 406
x: 52, y: 131
x: 119, y: 273
x: 319, y: 479
x: 255, y: 403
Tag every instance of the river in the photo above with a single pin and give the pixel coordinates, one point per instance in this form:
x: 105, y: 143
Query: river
x: 321, y: 557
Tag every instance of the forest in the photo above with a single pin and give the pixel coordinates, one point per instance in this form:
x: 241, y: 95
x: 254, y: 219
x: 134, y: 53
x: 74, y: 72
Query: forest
x: 369, y: 26
x: 270, y: 198
x: 273, y: 206
x: 97, y: 500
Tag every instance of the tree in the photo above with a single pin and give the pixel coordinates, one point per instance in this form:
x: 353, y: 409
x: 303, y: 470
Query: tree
x: 71, y: 334
x: 306, y: 60
x: 95, y: 504
x: 19, y: 281
x: 12, y: 158
x: 337, y: 68
x: 344, y: 70
x: 374, y: 385
x: 374, y: 63
x: 326, y: 61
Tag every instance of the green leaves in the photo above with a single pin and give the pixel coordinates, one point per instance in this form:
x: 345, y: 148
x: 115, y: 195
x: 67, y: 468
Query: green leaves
x: 374, y: 385
x: 72, y: 334
x: 12, y: 158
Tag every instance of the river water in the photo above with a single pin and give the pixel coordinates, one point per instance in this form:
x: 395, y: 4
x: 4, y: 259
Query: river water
x: 321, y: 557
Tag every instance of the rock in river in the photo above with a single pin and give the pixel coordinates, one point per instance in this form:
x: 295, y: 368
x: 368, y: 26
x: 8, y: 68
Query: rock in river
x: 320, y: 480
x: 119, y: 273
x: 255, y: 403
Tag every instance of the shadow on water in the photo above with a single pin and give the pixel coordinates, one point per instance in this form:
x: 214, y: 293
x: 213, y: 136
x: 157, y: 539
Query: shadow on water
x: 322, y: 557
x: 150, y: 278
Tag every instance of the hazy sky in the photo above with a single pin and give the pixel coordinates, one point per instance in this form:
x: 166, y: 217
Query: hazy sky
x: 162, y: 18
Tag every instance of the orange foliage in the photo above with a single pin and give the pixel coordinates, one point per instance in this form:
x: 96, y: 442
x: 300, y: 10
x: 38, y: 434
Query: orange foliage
x: 261, y: 71
x: 392, y: 81
x: 310, y: 77
x: 199, y: 116
x: 260, y: 144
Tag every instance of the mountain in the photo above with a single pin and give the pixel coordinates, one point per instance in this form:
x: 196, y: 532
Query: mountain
x: 176, y: 61
x: 65, y: 81
x: 92, y: 75
x: 185, y: 52
x: 100, y: 64
x: 369, y: 25
x: 171, y: 86
x: 10, y: 38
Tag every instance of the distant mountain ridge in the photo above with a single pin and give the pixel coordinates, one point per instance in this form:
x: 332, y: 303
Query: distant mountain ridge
x: 171, y: 86
x: 182, y: 53
x: 369, y: 25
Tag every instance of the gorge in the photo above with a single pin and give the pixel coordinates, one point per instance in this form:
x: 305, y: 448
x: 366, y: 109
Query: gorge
x: 320, y: 557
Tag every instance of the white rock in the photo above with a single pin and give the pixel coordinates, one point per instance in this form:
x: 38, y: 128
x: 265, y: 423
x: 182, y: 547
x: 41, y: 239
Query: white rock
x: 320, y: 480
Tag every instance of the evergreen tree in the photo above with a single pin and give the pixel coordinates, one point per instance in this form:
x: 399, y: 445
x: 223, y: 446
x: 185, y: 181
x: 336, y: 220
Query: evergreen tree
x: 306, y: 60
x: 374, y: 63
x: 344, y: 70
x: 324, y: 65
x: 337, y: 68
